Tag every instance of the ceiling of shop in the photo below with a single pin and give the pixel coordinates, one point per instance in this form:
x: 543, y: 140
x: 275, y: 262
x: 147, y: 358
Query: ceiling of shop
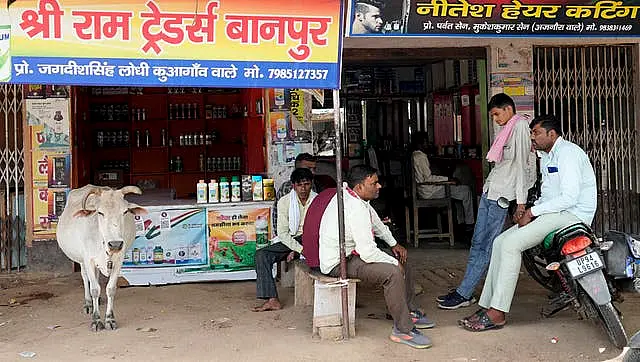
x: 404, y: 56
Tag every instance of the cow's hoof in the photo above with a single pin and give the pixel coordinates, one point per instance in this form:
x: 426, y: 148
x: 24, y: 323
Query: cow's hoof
x: 88, y: 308
x: 111, y: 324
x: 97, y: 325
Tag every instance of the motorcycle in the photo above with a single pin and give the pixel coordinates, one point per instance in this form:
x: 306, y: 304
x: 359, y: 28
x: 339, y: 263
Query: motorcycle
x: 570, y: 263
x: 633, y: 353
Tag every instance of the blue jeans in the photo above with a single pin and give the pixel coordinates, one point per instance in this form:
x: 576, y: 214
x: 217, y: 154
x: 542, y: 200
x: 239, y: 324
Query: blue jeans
x: 489, y: 225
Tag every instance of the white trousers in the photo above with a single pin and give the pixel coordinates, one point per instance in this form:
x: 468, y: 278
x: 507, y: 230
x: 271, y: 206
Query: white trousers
x: 506, y: 257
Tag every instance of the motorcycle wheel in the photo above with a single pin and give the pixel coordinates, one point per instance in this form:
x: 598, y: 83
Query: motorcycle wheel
x: 609, y: 319
x: 536, y: 267
x: 632, y: 355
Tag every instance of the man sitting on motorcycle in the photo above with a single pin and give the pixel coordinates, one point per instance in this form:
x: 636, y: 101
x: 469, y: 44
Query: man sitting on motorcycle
x: 568, y: 196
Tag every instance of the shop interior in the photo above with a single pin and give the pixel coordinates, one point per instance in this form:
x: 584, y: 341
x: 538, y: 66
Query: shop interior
x: 170, y: 138
x: 389, y: 94
x: 167, y: 138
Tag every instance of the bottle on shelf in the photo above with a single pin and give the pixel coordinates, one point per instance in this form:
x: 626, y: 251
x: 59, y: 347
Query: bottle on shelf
x: 213, y: 191
x: 235, y: 189
x: 100, y: 139
x: 201, y: 162
x: 201, y: 194
x: 224, y: 190
x: 138, y: 138
x: 178, y: 164
x: 163, y: 136
x: 147, y: 138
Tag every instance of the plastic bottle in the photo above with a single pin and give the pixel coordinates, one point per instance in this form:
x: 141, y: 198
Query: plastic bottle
x: 279, y: 96
x: 150, y: 248
x: 224, y: 190
x: 135, y: 256
x: 158, y: 255
x: 178, y: 164
x: 235, y: 189
x: 281, y: 130
x: 201, y: 192
x: 5, y: 45
x: 142, y: 255
x: 213, y: 191
x: 262, y: 232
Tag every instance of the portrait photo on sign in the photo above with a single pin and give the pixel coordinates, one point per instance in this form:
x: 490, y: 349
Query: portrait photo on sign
x: 377, y: 17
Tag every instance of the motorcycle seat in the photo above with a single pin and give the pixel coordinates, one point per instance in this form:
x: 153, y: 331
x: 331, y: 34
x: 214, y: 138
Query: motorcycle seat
x: 568, y: 231
x: 548, y: 240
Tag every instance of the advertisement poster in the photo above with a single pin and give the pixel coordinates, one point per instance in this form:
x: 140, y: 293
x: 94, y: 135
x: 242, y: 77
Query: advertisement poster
x: 240, y: 43
x: 524, y: 18
x: 233, y: 234
x: 48, y: 124
x: 518, y: 86
x: 279, y: 99
x: 40, y: 209
x: 56, y: 200
x: 52, y: 115
x: 280, y: 126
x: 296, y: 104
x: 169, y: 238
x: 60, y: 166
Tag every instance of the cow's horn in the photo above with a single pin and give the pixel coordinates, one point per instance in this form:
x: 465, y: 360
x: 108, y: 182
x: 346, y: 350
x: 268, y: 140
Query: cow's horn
x: 94, y: 191
x: 131, y: 190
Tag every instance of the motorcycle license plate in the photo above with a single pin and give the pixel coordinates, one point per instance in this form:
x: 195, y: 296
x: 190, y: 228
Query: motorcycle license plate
x: 584, y: 264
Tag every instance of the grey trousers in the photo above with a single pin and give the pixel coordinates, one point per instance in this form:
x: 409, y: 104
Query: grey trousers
x: 506, y: 257
x: 462, y: 193
x: 399, y: 293
x: 265, y: 258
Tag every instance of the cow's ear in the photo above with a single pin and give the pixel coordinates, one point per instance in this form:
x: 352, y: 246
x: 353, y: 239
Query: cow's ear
x: 137, y: 210
x: 83, y: 213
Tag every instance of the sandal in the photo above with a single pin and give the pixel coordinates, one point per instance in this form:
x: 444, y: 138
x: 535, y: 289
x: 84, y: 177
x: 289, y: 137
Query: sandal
x: 484, y: 323
x: 472, y: 318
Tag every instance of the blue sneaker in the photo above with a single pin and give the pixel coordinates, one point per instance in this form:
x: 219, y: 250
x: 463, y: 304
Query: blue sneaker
x: 414, y: 338
x: 455, y: 301
x: 442, y: 298
x: 421, y: 321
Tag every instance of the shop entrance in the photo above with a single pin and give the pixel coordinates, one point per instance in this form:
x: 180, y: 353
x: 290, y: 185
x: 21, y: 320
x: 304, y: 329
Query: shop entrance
x: 591, y: 90
x: 390, y: 94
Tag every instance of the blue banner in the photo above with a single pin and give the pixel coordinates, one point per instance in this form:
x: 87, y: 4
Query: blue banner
x: 173, y: 73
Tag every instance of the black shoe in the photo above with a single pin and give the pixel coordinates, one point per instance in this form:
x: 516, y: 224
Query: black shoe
x: 442, y: 298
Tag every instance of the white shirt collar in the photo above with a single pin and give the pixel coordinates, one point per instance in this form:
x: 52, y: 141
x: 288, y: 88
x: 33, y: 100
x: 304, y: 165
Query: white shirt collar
x: 553, y: 149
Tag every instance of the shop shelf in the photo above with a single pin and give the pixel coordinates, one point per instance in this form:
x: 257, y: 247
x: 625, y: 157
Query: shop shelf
x: 188, y: 173
x: 148, y: 173
x: 151, y: 148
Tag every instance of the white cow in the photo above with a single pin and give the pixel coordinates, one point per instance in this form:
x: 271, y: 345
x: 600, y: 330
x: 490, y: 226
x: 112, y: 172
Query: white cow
x: 94, y: 230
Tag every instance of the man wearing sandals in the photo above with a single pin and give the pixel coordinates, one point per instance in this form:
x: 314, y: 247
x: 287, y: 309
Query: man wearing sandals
x: 514, y: 172
x: 292, y: 209
x: 568, y: 196
x: 365, y: 261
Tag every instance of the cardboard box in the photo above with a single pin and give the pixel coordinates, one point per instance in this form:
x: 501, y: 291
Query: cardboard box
x: 257, y: 188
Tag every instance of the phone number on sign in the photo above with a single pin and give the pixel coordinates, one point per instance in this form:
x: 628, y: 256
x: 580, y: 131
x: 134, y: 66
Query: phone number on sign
x: 298, y: 74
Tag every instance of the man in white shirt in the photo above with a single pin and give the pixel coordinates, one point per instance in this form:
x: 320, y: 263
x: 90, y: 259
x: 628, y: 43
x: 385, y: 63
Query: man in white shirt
x: 422, y: 169
x: 568, y: 196
x: 365, y: 261
x: 292, y: 209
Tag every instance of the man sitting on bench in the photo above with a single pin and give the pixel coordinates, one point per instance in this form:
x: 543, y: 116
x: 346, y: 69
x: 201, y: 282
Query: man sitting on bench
x: 365, y: 261
x: 292, y: 209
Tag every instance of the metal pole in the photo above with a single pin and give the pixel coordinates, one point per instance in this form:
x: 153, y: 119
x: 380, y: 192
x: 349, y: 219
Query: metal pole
x: 343, y: 260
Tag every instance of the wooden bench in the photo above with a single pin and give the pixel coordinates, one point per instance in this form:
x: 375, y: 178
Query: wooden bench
x: 312, y: 288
